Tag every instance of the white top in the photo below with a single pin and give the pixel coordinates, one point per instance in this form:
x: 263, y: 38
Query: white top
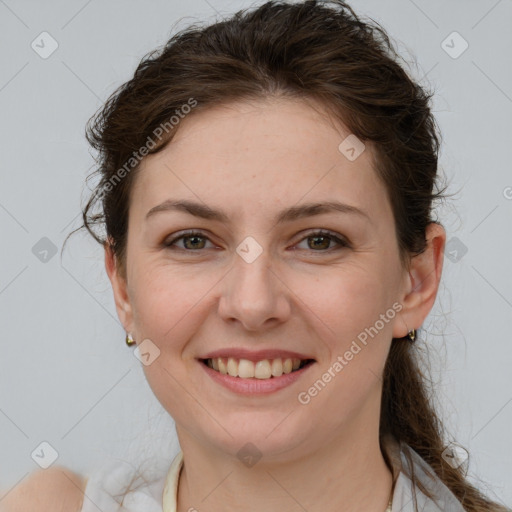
x: 106, y: 486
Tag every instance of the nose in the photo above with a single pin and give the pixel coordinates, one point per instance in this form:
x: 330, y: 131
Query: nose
x: 254, y: 295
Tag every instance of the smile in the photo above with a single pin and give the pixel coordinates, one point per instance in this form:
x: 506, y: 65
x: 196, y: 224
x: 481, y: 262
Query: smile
x: 263, y: 369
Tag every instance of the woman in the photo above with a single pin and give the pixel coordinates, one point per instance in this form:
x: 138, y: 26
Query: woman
x: 267, y: 187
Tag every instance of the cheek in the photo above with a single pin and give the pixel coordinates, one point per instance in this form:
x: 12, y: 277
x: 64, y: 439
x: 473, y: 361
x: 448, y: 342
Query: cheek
x: 164, y: 299
x: 347, y: 309
x: 166, y: 307
x: 342, y: 303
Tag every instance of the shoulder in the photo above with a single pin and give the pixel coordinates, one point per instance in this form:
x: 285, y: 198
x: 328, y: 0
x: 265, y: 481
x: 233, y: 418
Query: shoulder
x: 56, y: 489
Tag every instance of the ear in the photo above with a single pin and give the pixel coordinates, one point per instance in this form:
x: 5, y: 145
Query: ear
x: 422, y: 282
x: 119, y: 287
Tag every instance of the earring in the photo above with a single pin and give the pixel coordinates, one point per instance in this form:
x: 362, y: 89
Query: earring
x: 129, y: 340
x: 412, y: 335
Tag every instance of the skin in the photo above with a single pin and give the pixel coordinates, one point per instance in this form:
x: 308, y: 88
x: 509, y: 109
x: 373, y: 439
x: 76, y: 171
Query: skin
x: 254, y: 159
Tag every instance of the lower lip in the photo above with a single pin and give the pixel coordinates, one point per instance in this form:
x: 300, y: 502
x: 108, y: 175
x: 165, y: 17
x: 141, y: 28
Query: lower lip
x: 253, y: 386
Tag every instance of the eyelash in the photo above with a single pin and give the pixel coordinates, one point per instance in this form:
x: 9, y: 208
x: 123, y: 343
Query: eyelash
x: 320, y: 233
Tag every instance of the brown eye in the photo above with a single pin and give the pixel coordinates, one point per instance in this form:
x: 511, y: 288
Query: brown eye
x: 193, y: 240
x: 318, y: 241
x: 321, y: 240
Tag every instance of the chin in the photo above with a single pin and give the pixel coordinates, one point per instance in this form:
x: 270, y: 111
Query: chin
x: 268, y: 436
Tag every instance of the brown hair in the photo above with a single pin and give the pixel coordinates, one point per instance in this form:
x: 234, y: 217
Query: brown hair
x: 313, y: 50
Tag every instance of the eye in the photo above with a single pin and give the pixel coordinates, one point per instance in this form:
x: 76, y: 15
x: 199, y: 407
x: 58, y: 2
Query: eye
x: 322, y: 239
x: 195, y: 240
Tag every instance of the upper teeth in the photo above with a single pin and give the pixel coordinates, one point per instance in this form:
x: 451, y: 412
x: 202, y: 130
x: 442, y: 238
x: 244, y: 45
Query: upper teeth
x: 246, y: 369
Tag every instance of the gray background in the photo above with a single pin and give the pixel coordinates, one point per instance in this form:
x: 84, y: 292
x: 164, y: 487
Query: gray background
x: 66, y: 375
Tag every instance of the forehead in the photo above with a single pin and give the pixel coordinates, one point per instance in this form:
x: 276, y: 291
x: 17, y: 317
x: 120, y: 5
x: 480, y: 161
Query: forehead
x: 260, y: 153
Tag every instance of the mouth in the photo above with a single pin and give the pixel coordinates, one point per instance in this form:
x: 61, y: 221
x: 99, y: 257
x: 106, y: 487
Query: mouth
x: 264, y: 369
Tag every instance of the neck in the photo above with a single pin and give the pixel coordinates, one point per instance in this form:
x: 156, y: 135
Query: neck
x: 348, y: 473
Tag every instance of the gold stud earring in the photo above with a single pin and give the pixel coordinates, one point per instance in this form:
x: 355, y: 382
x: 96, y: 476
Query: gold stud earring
x: 129, y: 340
x: 412, y: 335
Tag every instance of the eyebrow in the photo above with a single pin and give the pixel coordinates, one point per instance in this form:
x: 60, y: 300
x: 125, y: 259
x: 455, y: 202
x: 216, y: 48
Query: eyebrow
x: 287, y: 215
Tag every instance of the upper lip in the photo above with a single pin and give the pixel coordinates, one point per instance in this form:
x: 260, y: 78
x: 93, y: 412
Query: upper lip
x: 255, y: 355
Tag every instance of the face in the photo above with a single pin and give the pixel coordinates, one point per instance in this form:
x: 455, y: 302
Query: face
x: 252, y: 286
